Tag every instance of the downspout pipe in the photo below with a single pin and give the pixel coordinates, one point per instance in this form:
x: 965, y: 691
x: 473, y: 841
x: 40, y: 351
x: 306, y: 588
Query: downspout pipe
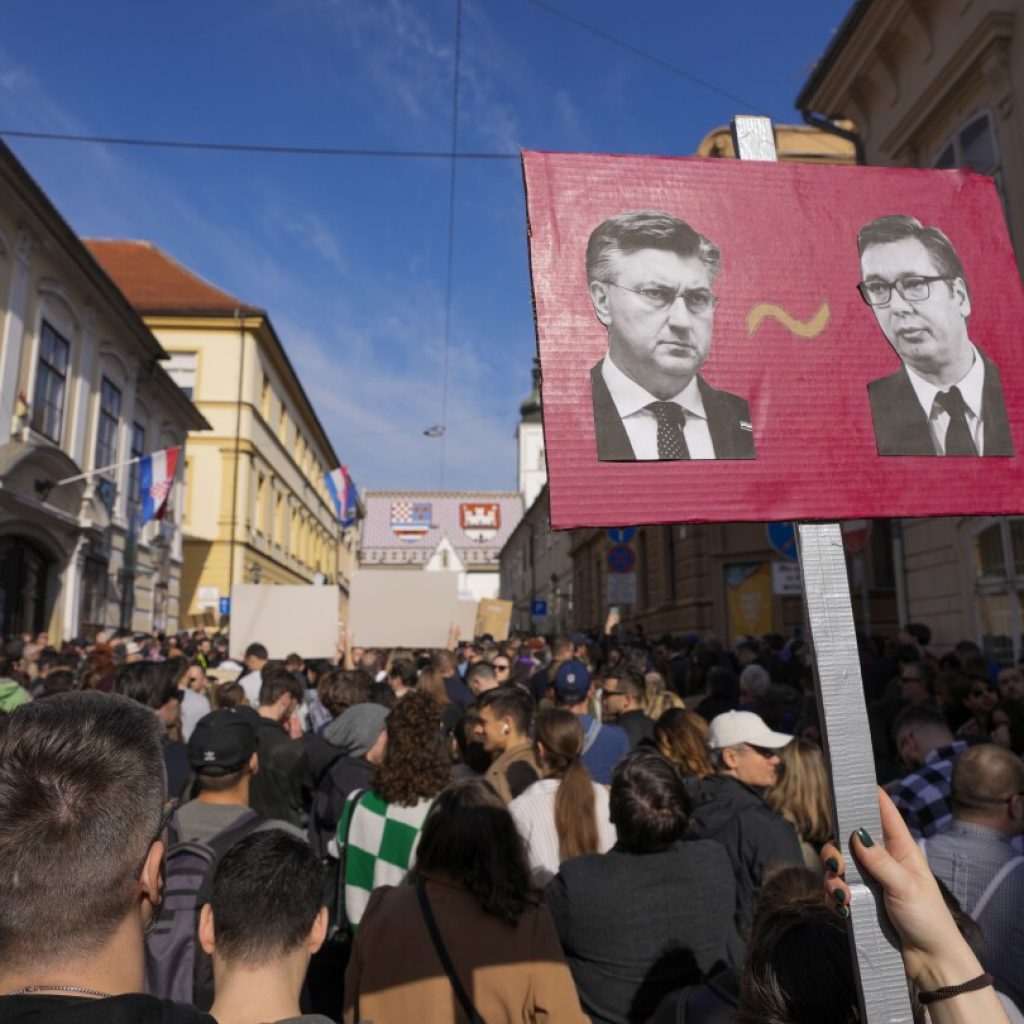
x: 831, y: 128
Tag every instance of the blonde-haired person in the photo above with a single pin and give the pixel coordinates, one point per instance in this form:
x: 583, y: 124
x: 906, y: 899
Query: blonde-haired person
x: 657, y: 697
x: 801, y: 796
x: 682, y: 737
x: 565, y: 813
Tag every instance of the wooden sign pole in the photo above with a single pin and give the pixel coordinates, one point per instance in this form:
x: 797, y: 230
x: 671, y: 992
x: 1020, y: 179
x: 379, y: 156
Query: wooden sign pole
x: 878, y: 966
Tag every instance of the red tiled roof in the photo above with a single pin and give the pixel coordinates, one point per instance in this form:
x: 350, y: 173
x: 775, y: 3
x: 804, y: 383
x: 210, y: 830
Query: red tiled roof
x: 154, y: 282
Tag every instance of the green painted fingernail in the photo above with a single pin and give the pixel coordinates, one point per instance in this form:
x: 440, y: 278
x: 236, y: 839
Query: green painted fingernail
x: 839, y: 896
x: 832, y: 864
x: 844, y: 910
x: 864, y: 837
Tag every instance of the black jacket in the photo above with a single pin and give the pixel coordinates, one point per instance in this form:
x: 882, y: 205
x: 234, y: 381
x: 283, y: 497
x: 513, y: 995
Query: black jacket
x: 754, y: 836
x: 901, y: 426
x: 728, y: 422
x: 635, y: 926
x: 637, y: 726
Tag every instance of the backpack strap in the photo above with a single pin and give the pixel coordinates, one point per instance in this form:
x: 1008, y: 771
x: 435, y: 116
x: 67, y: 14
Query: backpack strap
x: 590, y: 736
x: 442, y: 951
x: 990, y: 889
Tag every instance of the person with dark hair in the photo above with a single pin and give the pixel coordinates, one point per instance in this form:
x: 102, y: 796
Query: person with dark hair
x: 255, y: 659
x: 379, y: 828
x: 654, y: 912
x: 976, y: 696
x: 504, y: 716
x: 152, y: 685
x: 926, y: 745
x: 566, y: 813
x: 276, y: 789
x: 622, y: 703
x: 723, y: 693
x: 480, y: 678
x: 261, y: 938
x: 733, y: 811
x: 947, y: 398
x: 471, y: 910
x: 402, y: 676
x: 12, y: 693
x: 650, y: 277
x: 82, y: 801
x: 1008, y: 725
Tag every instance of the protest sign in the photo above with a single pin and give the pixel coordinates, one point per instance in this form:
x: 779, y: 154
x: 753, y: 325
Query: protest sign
x: 805, y: 405
x: 300, y: 619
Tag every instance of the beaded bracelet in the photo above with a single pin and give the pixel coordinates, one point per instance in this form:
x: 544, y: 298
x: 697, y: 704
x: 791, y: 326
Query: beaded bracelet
x: 982, y: 981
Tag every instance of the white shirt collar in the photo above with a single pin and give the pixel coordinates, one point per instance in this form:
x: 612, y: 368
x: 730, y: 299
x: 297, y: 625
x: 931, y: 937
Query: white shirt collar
x: 971, y: 386
x: 629, y: 397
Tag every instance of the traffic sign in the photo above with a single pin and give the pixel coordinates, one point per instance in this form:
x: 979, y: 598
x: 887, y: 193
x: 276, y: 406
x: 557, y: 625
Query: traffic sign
x: 224, y: 605
x: 539, y: 608
x: 782, y: 537
x: 621, y: 558
x: 622, y: 534
x: 856, y: 534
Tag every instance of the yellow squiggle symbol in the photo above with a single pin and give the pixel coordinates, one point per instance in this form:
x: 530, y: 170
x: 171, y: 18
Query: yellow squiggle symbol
x: 801, y: 328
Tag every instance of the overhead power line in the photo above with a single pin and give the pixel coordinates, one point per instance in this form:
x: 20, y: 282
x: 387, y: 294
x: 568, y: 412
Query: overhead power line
x: 242, y: 147
x: 675, y: 69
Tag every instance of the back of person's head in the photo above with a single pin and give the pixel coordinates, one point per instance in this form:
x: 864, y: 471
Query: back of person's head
x: 724, y: 683
x: 431, y: 682
x: 341, y: 689
x: 59, y: 681
x: 481, y: 677
x: 509, y: 701
x: 631, y: 682
x: 755, y: 680
x: 776, y: 986
x: 278, y: 682
x: 561, y: 648
x: 985, y: 778
x: 82, y: 787
x: 682, y: 737
x: 404, y: 670
x: 266, y: 897
x: 801, y: 794
x: 648, y: 803
x: 146, y: 682
x: 559, y: 734
x: 920, y: 632
x: 228, y: 695
x: 923, y: 719
x: 293, y: 663
x: 416, y: 765
x: 220, y: 748
x: 444, y: 662
x: 256, y: 651
x: 470, y: 837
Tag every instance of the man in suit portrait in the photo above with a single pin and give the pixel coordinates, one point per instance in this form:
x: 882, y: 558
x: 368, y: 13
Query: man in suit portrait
x: 947, y: 398
x: 650, y: 280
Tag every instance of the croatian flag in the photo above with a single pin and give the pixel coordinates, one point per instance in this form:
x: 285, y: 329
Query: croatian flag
x: 343, y: 491
x: 156, y: 477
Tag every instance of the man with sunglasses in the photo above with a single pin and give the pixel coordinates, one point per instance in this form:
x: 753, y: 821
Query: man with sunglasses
x: 947, y: 398
x: 733, y: 811
x: 650, y: 278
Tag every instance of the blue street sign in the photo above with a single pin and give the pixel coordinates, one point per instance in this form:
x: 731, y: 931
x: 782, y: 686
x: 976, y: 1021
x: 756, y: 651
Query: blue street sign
x: 782, y: 537
x: 539, y: 608
x: 224, y: 605
x: 621, y: 558
x: 622, y: 534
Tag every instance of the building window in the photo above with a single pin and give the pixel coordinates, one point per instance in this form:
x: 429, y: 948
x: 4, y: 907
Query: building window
x: 668, y: 535
x: 974, y: 146
x: 181, y: 368
x: 138, y: 449
x: 265, y: 399
x: 998, y: 562
x: 51, y: 384
x: 110, y: 416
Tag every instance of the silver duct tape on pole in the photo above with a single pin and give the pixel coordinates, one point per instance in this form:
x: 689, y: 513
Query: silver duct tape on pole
x: 847, y: 737
x: 878, y: 966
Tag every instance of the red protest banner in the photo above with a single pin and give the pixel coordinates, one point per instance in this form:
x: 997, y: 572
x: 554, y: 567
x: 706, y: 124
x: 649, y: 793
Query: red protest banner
x: 801, y: 397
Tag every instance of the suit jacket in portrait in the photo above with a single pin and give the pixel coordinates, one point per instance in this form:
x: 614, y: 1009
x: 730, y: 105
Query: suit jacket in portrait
x: 725, y: 413
x: 901, y: 425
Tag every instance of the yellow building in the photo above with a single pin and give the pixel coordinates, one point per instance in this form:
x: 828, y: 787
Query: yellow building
x: 256, y: 505
x: 794, y: 144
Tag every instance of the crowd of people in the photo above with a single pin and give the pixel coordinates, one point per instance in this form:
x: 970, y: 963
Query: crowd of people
x: 610, y: 828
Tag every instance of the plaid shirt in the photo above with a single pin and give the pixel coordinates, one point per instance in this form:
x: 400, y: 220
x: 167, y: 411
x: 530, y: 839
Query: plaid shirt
x: 923, y: 796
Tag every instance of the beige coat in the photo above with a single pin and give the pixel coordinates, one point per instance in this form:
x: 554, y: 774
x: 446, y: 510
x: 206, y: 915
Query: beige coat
x: 497, y: 774
x: 512, y: 973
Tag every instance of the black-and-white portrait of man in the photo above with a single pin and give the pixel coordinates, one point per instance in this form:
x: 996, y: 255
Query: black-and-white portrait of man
x: 947, y: 398
x: 650, y: 279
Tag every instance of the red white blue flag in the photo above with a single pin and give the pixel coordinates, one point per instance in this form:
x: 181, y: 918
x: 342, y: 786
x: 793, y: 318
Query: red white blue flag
x: 343, y: 490
x: 156, y: 477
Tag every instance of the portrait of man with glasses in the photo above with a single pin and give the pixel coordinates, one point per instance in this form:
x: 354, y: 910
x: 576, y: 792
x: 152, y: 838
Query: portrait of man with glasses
x: 947, y: 398
x: 650, y: 279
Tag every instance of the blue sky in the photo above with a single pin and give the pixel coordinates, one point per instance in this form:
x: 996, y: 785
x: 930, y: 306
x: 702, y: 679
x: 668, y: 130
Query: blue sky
x: 349, y: 255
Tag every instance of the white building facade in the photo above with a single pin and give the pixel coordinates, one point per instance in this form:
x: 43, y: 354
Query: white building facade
x: 81, y: 387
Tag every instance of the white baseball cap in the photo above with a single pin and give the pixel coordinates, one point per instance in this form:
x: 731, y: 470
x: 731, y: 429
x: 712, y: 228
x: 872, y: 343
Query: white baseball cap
x: 734, y: 727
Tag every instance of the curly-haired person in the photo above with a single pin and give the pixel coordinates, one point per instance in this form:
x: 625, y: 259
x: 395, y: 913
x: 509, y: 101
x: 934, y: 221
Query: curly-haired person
x: 380, y: 828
